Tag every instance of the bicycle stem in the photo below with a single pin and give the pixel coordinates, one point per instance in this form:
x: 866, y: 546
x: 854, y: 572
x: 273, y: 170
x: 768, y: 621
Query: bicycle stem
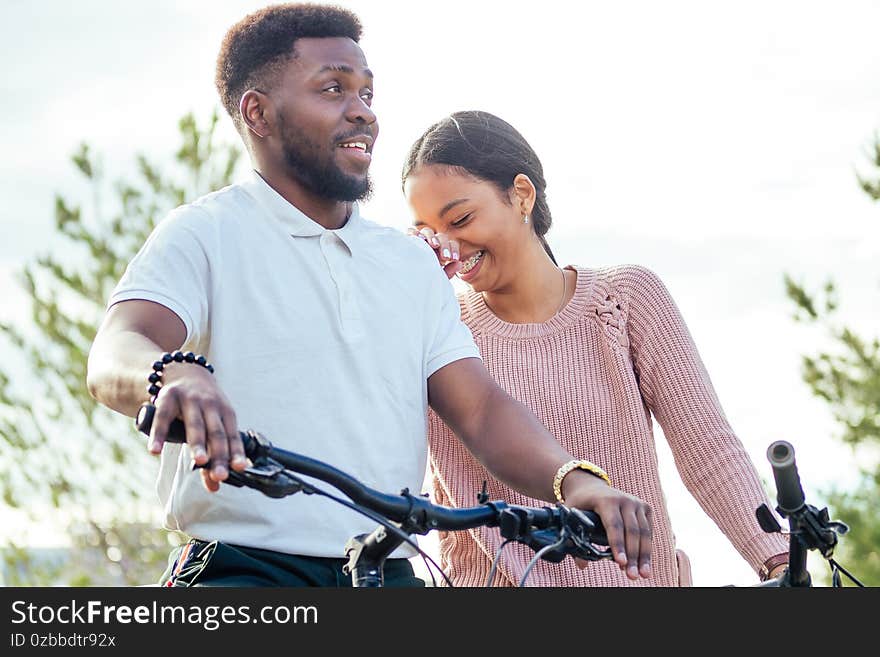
x: 366, y: 557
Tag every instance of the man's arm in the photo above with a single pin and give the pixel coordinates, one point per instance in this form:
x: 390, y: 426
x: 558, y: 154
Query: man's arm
x: 504, y: 435
x: 133, y: 335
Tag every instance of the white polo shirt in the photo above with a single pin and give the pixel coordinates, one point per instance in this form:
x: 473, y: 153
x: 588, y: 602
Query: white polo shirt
x: 323, y: 340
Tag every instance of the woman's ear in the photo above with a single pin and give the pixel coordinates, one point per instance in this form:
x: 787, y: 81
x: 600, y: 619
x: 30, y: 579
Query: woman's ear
x: 524, y: 193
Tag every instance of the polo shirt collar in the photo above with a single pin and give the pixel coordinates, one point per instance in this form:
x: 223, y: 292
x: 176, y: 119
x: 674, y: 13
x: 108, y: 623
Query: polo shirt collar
x: 296, y: 222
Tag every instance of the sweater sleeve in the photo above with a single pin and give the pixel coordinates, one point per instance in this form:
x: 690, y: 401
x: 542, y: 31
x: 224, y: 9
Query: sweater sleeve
x: 677, y: 389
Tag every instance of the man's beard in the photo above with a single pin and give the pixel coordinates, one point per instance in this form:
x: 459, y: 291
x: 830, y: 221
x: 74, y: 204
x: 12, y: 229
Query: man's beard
x: 324, y: 179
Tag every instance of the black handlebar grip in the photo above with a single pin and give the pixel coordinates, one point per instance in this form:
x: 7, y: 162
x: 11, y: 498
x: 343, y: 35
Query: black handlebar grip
x: 144, y: 420
x: 789, y: 493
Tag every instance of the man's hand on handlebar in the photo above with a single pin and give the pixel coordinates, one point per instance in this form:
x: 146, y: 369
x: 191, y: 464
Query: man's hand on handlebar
x: 189, y: 392
x: 626, y: 518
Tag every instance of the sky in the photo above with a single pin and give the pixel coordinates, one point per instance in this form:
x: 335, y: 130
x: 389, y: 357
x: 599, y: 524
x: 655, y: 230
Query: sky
x: 716, y: 143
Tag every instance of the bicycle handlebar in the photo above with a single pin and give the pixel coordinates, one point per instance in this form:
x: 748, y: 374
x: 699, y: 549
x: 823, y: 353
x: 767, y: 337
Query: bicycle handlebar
x: 416, y: 511
x: 789, y: 494
x: 553, y: 532
x: 809, y: 528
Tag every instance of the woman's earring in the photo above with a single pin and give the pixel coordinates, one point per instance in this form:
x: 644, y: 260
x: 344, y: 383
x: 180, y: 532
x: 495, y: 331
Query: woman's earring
x: 525, y: 218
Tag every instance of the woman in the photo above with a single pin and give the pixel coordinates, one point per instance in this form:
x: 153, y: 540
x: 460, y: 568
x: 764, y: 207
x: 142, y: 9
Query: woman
x: 593, y: 352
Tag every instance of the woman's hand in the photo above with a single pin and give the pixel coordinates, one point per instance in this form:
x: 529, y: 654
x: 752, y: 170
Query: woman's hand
x: 448, y: 251
x: 777, y: 572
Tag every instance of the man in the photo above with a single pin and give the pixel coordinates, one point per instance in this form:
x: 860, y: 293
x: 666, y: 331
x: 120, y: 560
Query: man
x: 330, y: 334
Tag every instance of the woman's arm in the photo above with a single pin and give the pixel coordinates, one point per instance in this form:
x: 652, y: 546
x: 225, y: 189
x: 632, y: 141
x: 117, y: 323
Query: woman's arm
x: 675, y: 385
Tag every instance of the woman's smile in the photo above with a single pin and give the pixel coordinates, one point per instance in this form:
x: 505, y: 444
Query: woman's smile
x: 470, y: 266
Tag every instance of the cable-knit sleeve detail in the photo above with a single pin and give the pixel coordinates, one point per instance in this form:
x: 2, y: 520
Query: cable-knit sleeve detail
x: 677, y: 389
x: 609, y: 308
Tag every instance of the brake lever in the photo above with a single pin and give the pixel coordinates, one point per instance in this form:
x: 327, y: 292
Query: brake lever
x: 267, y: 476
x: 581, y: 531
x: 584, y: 549
x: 575, y: 538
x: 538, y: 540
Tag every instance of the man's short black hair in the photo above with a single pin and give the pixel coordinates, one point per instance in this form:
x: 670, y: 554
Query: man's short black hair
x: 253, y: 47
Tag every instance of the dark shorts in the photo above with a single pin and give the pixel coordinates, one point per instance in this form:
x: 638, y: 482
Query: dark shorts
x: 203, y: 563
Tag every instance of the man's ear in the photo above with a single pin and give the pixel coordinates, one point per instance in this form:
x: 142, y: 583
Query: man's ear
x: 254, y: 109
x: 524, y: 193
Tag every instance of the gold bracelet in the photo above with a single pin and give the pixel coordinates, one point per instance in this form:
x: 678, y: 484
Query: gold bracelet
x: 565, y: 468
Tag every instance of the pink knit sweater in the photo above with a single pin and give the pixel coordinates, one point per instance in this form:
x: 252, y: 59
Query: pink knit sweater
x: 617, y: 353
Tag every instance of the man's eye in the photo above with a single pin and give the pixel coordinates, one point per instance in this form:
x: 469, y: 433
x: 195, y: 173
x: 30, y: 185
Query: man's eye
x: 334, y: 88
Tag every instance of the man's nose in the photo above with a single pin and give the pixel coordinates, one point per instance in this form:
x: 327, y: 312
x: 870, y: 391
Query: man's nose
x: 358, y: 111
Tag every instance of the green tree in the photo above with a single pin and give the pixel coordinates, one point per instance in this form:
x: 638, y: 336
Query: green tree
x: 847, y: 378
x: 61, y: 450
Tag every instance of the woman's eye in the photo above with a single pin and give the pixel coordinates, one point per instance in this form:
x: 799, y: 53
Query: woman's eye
x: 461, y: 221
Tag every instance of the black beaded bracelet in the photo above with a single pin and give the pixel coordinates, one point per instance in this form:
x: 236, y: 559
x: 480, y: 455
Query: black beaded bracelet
x: 176, y: 357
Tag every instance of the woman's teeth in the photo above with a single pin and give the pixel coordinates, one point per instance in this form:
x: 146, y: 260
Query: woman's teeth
x: 470, y: 263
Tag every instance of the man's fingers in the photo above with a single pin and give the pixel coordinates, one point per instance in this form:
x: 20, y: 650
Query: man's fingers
x: 614, y: 530
x: 237, y: 459
x: 633, y: 542
x: 647, y: 534
x: 195, y: 432
x: 209, y: 483
x: 157, y: 436
x: 166, y: 411
x: 218, y: 444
